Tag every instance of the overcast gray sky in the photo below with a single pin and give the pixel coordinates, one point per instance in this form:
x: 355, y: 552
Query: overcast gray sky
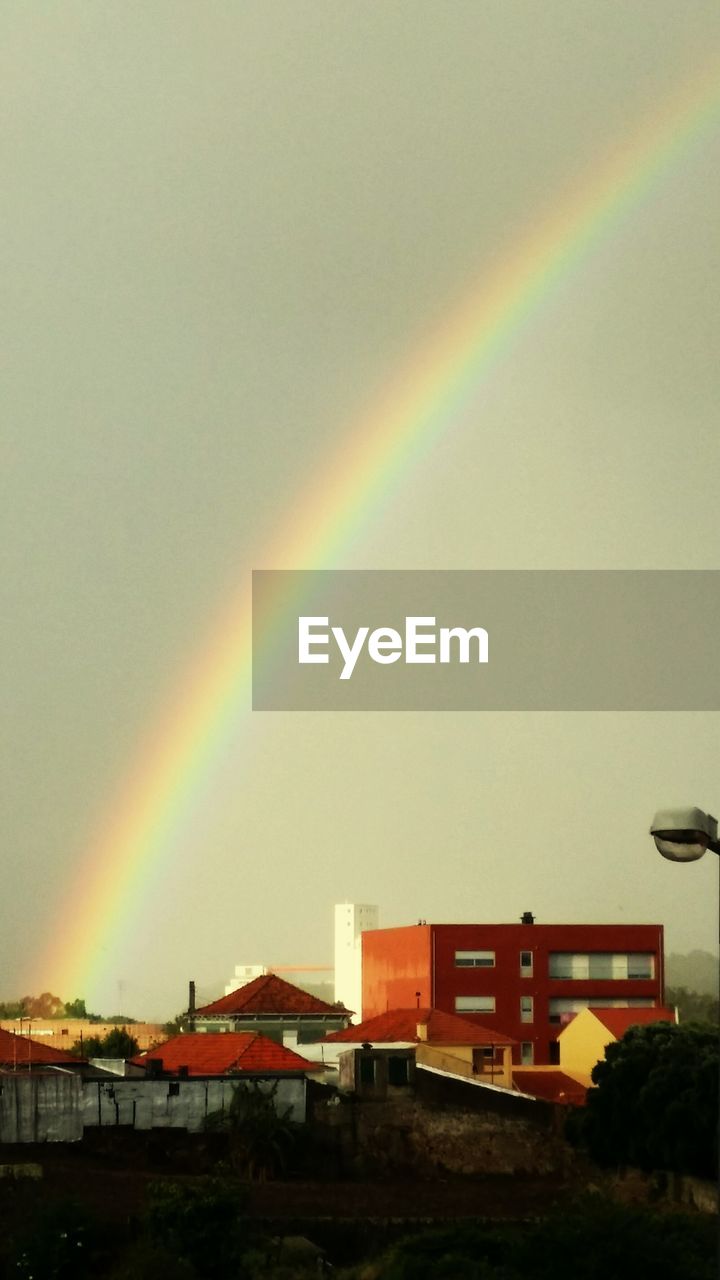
x: 224, y: 228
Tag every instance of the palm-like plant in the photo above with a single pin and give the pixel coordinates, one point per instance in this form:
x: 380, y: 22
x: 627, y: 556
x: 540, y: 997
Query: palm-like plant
x: 261, y: 1137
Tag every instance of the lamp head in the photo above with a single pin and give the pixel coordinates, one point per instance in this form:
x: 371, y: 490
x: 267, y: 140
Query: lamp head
x: 683, y: 835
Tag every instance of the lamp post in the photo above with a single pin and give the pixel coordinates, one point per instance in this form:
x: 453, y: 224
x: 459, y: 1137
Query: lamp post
x: 683, y: 835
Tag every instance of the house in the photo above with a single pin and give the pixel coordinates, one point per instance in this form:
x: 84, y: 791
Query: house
x: 274, y: 1008
x: 583, y: 1041
x: 21, y: 1053
x: 523, y: 979
x: 221, y: 1053
x: 176, y: 1085
x: 194, y: 1074
x: 384, y: 1047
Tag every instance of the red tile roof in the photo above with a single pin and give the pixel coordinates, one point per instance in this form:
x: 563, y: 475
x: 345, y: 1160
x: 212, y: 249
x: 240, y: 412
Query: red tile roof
x: 402, y: 1025
x: 22, y: 1051
x: 617, y: 1021
x: 217, y: 1053
x: 270, y: 994
x: 552, y: 1086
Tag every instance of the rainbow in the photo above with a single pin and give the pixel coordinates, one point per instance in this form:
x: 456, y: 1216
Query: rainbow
x: 175, y: 762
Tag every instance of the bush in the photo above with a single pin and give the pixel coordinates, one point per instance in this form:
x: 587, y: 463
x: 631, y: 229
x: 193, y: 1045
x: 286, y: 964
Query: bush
x: 655, y: 1101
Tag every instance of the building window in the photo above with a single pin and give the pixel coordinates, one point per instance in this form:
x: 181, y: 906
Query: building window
x: 475, y: 959
x: 173, y: 1089
x: 554, y: 1053
x: 526, y: 1008
x: 604, y: 965
x: 398, y: 1071
x: 474, y: 1004
x: 526, y: 964
x: 641, y: 965
x: 563, y: 1008
x: 526, y: 1053
x: 367, y: 1070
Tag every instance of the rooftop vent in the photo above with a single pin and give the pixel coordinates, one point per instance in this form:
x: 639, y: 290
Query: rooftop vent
x: 527, y: 917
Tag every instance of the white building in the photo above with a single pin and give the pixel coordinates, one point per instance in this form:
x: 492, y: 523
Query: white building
x: 244, y: 973
x: 351, y: 920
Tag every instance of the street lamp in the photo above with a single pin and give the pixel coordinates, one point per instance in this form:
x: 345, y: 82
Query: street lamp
x: 683, y: 835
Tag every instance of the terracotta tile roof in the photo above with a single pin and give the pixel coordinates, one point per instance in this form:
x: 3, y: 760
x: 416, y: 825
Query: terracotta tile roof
x: 217, y: 1053
x: 22, y: 1050
x: 270, y: 994
x: 402, y: 1025
x: 552, y: 1086
x: 617, y: 1021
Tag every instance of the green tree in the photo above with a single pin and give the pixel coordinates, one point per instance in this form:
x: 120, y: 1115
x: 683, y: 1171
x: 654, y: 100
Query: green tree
x: 655, y: 1100
x: 595, y: 1239
x: 693, y: 1006
x: 176, y: 1026
x: 12, y: 1009
x: 45, y: 1005
x: 75, y: 1009
x: 118, y: 1043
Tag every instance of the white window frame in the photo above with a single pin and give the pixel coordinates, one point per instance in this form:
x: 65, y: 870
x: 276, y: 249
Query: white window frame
x: 474, y: 1004
x: 616, y: 966
x: 474, y: 959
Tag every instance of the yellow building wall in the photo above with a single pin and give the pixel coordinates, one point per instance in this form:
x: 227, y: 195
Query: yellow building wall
x: 61, y: 1033
x: 582, y: 1043
x: 459, y: 1059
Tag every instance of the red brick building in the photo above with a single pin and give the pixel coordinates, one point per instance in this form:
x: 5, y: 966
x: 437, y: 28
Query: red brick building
x: 525, y: 980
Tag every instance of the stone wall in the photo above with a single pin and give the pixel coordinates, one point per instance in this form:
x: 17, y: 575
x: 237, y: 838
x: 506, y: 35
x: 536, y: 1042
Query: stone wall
x: 430, y: 1137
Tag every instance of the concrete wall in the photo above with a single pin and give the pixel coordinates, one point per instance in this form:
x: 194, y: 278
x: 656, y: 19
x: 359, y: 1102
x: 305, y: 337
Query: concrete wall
x: 175, y: 1104
x: 57, y: 1108
x: 40, y: 1108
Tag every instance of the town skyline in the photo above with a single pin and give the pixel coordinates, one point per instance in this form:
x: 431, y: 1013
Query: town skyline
x: 228, y: 230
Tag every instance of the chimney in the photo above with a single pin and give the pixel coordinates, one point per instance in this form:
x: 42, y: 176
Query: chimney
x: 527, y: 917
x: 191, y: 1006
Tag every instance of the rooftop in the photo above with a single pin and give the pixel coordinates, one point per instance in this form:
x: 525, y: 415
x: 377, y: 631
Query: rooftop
x: 618, y: 1021
x: 217, y: 1053
x: 552, y: 1086
x: 402, y: 1025
x: 270, y: 994
x: 17, y: 1051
